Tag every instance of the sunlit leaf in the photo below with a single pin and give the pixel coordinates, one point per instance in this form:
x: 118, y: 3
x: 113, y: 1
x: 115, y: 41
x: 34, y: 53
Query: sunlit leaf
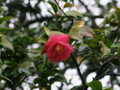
x: 68, y: 5
x: 55, y: 32
x: 105, y: 50
x: 42, y: 38
x: 79, y: 30
x: 47, y: 31
x: 73, y: 13
x: 50, y: 33
x: 116, y: 45
x: 90, y: 30
x: 79, y: 59
x: 6, y: 43
x: 79, y: 24
x: 74, y: 33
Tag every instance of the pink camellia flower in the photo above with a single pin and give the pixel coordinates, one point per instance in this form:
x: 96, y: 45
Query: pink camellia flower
x: 58, y: 48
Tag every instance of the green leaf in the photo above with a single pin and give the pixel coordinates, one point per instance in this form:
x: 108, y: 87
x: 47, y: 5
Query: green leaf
x: 116, y: 45
x: 105, y: 50
x: 108, y: 89
x: 73, y: 13
x: 5, y: 42
x: 99, y: 30
x: 79, y: 59
x: 74, y: 33
x: 1, y: 62
x: 91, y: 42
x: 78, y: 31
x: 95, y: 85
x: 42, y: 38
x: 118, y: 12
x: 89, y: 30
x: 59, y: 78
x: 5, y: 78
x: 50, y: 33
x: 47, y: 31
x: 54, y: 6
x: 42, y: 50
x: 76, y: 88
x: 3, y: 30
x: 1, y: 11
x: 5, y: 18
x: 68, y: 5
x: 25, y: 69
x: 26, y: 65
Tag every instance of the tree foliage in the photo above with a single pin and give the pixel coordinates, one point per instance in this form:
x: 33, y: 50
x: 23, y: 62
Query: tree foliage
x: 25, y: 27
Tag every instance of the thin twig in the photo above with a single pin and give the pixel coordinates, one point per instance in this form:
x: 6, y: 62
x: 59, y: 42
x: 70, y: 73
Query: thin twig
x: 65, y: 15
x: 79, y: 72
x: 104, y: 64
x: 62, y: 10
x: 85, y: 6
x: 16, y: 84
x: 112, y: 74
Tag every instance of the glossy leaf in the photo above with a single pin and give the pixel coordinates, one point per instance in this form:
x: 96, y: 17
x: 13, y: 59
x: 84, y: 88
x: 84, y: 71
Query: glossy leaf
x: 95, y: 85
x: 54, y: 7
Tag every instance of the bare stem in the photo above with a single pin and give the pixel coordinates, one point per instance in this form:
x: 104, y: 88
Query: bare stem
x: 79, y: 72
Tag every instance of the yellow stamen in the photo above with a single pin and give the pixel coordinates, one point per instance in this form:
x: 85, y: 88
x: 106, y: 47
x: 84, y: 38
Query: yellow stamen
x: 58, y: 48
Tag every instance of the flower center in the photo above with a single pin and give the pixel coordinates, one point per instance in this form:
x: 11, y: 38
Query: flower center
x: 58, y: 48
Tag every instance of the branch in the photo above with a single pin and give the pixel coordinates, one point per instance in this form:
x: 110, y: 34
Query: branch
x: 85, y: 6
x: 104, y: 64
x: 19, y: 82
x: 62, y: 10
x: 26, y: 24
x: 112, y: 74
x: 65, y: 15
x: 79, y: 72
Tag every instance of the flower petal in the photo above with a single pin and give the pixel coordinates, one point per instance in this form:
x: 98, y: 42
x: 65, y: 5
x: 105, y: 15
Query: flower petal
x: 63, y: 55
